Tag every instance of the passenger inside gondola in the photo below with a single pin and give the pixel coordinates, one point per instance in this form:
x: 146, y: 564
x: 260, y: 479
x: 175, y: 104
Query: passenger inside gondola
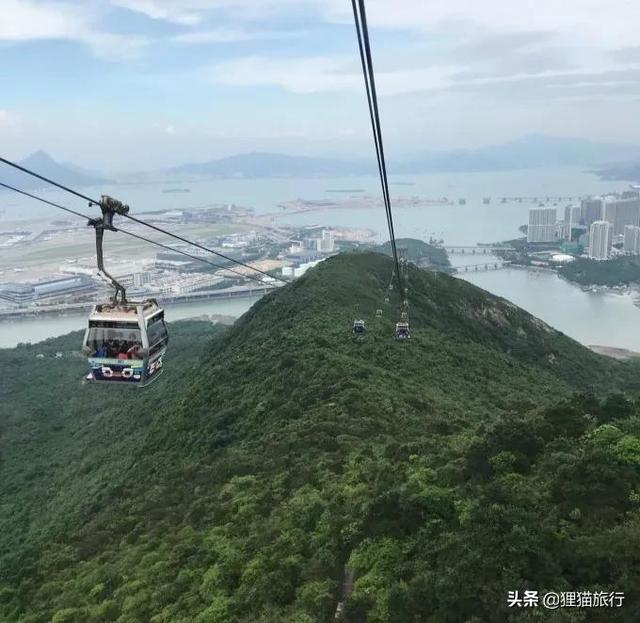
x: 134, y: 351
x: 114, y: 343
x: 132, y: 347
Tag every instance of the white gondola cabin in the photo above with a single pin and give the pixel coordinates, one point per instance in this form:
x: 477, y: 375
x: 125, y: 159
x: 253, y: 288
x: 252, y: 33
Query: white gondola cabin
x: 359, y: 327
x: 402, y: 331
x: 125, y: 342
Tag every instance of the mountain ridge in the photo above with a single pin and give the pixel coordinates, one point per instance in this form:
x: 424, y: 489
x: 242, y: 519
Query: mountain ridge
x: 526, y: 152
x: 42, y: 163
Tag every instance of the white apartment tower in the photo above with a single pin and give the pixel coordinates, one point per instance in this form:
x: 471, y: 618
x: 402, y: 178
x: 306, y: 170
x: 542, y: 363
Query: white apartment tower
x: 631, y: 240
x: 542, y: 225
x: 326, y: 244
x: 600, y: 235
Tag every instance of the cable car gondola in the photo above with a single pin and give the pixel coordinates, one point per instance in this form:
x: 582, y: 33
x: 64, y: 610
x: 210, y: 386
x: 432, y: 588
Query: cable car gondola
x: 402, y: 327
x: 359, y: 327
x: 125, y: 341
x: 402, y: 331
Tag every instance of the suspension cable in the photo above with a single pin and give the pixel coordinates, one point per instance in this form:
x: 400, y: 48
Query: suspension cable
x: 55, y: 205
x: 363, y: 62
x: 137, y: 220
x: 47, y: 180
x: 130, y: 233
x: 362, y: 30
x: 200, y: 246
x: 194, y: 257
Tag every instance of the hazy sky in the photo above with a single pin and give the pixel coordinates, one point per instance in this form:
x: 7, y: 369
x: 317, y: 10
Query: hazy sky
x: 140, y: 83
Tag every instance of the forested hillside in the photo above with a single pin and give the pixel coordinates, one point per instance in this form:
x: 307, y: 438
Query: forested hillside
x: 487, y: 455
x: 622, y: 270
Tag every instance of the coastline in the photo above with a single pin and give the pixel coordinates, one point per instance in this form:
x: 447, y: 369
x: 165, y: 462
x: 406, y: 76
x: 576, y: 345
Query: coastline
x: 632, y: 290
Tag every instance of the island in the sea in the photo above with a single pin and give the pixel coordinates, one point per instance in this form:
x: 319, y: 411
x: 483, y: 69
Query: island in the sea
x: 629, y: 172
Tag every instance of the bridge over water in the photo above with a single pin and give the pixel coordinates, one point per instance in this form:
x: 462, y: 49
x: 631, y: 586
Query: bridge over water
x: 461, y: 249
x: 537, y: 199
x: 481, y: 267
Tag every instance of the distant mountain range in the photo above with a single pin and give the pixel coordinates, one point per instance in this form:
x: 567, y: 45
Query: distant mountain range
x: 45, y: 165
x: 264, y: 164
x: 526, y: 152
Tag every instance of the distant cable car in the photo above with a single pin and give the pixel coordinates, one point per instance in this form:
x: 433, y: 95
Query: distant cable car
x: 125, y: 341
x: 359, y: 327
x: 402, y: 331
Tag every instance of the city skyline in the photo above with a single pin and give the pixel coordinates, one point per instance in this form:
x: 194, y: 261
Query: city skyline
x: 113, y: 84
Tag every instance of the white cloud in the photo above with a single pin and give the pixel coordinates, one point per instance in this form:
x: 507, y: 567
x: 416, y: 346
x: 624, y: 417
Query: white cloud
x: 8, y: 119
x: 322, y: 74
x: 192, y: 12
x: 299, y: 75
x: 115, y: 47
x: 579, y: 34
x: 176, y: 12
x: 170, y: 129
x: 231, y: 35
x: 602, y: 23
x: 24, y: 20
x: 318, y: 74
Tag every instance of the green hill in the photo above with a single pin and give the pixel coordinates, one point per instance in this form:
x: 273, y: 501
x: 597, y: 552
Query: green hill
x: 489, y: 454
x: 623, y: 270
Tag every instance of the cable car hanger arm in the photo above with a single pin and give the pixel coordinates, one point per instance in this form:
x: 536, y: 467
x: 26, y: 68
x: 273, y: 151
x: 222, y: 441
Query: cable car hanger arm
x: 110, y: 207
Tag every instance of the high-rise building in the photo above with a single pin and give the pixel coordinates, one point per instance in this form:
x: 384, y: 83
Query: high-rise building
x: 631, y: 240
x: 627, y: 213
x: 542, y: 225
x: 621, y: 212
x: 572, y: 218
x: 600, y: 235
x: 590, y: 210
x: 609, y: 209
x: 326, y: 243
